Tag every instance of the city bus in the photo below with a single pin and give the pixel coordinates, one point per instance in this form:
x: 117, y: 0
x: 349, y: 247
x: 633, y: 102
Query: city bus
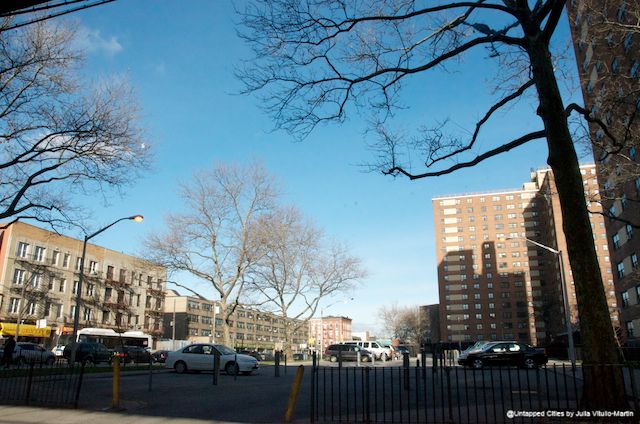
x: 111, y: 339
x: 108, y: 337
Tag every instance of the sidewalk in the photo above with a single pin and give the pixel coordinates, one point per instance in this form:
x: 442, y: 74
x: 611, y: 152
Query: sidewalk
x: 34, y: 415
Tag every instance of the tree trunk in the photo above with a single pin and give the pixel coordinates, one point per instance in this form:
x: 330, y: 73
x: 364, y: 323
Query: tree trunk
x: 596, y: 331
x: 226, y: 336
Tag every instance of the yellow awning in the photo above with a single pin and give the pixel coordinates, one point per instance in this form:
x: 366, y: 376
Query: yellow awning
x: 26, y: 330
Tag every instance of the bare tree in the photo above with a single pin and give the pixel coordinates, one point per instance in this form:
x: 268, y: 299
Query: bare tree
x: 33, y: 11
x: 316, y: 59
x: 404, y: 323
x: 211, y: 239
x: 59, y: 138
x: 31, y: 294
x: 297, y: 268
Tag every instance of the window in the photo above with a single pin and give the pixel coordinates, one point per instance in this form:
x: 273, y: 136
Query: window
x: 39, y: 254
x: 75, y: 287
x: 93, y: 266
x: 18, y: 276
x: 55, y: 257
x: 67, y: 259
x: 616, y: 241
x: 14, y: 305
x: 634, y: 260
x: 615, y: 66
x: 36, y: 280
x: 78, y: 261
x: 630, y: 329
x: 621, y: 15
x: 625, y: 299
x: 629, y: 231
x: 23, y: 249
x: 63, y: 283
x: 90, y: 288
x: 634, y: 71
x: 87, y: 314
x: 620, y: 269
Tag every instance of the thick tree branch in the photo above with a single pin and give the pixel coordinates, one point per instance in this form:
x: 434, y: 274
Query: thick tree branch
x: 491, y: 153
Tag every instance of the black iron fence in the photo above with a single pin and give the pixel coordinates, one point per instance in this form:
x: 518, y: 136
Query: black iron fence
x: 51, y: 384
x: 453, y: 394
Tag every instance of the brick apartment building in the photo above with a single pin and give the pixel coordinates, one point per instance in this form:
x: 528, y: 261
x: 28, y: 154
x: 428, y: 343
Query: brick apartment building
x: 39, y: 273
x: 329, y: 330
x: 493, y: 284
x: 607, y: 52
x: 250, y: 328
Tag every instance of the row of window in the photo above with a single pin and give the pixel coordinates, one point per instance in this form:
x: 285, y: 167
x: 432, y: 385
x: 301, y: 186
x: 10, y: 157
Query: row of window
x: 36, y: 282
x: 64, y: 259
x: 495, y: 198
x: 492, y: 315
x: 493, y: 336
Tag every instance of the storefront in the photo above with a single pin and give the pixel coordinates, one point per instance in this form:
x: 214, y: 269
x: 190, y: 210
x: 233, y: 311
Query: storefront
x: 28, y: 332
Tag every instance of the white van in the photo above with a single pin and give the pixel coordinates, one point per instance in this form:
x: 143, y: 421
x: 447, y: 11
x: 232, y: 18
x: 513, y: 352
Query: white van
x: 378, y: 349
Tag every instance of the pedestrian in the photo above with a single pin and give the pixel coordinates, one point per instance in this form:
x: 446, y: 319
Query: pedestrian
x: 9, y: 347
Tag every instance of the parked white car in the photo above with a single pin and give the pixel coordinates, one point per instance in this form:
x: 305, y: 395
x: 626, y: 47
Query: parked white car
x: 199, y: 357
x: 378, y: 349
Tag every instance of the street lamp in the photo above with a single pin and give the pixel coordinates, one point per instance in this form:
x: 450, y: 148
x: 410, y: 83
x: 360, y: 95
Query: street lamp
x: 565, y: 296
x: 76, y: 314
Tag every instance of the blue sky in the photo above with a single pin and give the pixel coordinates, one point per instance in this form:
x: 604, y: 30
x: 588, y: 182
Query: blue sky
x: 179, y: 57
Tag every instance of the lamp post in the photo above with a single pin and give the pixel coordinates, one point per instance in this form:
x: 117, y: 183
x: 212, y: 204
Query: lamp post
x: 565, y: 297
x: 76, y: 314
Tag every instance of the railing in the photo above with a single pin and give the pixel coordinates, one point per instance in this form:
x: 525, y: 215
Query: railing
x: 452, y: 394
x: 50, y: 384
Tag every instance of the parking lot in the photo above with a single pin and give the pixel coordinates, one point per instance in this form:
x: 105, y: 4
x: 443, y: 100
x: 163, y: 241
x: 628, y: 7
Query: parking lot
x: 257, y: 398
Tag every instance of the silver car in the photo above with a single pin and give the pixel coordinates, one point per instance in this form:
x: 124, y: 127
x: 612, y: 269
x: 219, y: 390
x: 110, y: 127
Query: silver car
x: 200, y: 357
x: 32, y: 353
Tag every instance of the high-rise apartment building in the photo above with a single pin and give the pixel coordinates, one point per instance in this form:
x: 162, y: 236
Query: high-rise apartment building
x: 493, y: 283
x: 39, y: 273
x: 607, y: 47
x: 194, y: 319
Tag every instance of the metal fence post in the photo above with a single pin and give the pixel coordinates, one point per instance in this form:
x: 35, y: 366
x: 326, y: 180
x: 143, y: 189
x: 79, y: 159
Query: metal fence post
x: 79, y: 388
x: 276, y: 367
x: 285, y: 364
x: 359, y: 356
x: 150, y: 374
x: 313, y: 386
x: 405, y: 366
x: 29, y: 381
x: 448, y: 372
x: 216, y: 367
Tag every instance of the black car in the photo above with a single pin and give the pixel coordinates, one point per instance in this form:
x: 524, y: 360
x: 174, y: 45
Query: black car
x: 159, y: 356
x: 131, y: 354
x: 348, y: 352
x: 503, y: 353
x: 399, y: 351
x: 252, y: 353
x: 91, y: 353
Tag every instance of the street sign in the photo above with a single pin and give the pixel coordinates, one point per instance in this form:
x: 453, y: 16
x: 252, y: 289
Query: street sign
x: 41, y: 323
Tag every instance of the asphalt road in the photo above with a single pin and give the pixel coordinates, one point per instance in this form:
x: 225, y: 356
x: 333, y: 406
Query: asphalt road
x: 258, y: 398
